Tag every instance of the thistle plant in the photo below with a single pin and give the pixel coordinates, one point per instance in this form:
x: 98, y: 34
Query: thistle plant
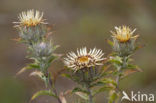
x: 124, y: 46
x: 90, y: 70
x: 33, y: 32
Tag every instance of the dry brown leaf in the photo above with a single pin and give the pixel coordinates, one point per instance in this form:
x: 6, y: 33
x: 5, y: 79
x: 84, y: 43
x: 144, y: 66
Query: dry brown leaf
x: 62, y: 98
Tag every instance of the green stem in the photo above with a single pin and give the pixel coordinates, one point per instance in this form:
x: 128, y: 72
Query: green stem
x: 117, y: 82
x: 119, y: 74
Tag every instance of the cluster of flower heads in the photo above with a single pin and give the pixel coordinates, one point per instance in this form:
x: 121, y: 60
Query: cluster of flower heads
x: 33, y: 31
x: 84, y: 59
x: 123, y: 43
x: 30, y: 18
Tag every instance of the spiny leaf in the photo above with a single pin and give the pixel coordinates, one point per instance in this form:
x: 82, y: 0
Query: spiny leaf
x: 105, y: 68
x: 79, y: 90
x: 102, y: 89
x: 51, y: 59
x: 112, y: 97
x: 17, y: 39
x: 131, y: 66
x: 37, y: 73
x: 23, y: 70
x: 82, y: 95
x: 99, y: 83
x: 35, y: 66
x: 43, y: 92
x: 62, y: 98
x: 139, y: 47
x: 109, y: 42
x: 58, y: 73
x: 130, y: 71
x: 54, y: 57
x: 116, y: 59
x: 30, y: 66
x: 108, y: 81
x: 56, y: 46
x: 67, y: 76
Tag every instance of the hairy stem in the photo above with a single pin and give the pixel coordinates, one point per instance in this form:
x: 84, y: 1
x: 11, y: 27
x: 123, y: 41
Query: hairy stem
x: 52, y: 85
x: 90, y: 95
x: 58, y: 99
x: 118, y: 76
x: 117, y: 82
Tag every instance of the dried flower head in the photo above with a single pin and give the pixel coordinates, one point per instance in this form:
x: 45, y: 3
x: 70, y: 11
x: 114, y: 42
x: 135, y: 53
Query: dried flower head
x: 30, y: 18
x: 84, y: 59
x: 124, y: 34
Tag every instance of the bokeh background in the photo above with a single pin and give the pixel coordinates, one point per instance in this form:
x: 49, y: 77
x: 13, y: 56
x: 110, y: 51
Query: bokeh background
x: 76, y: 23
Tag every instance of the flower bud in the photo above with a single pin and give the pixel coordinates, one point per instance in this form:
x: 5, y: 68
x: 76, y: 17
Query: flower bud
x: 32, y: 34
x: 43, y: 49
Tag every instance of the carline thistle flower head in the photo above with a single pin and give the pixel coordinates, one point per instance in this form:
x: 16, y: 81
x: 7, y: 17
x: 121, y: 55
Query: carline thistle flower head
x: 30, y: 18
x: 84, y: 59
x: 124, y: 34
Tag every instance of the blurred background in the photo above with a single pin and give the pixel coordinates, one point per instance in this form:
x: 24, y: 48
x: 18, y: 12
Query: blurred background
x: 76, y: 23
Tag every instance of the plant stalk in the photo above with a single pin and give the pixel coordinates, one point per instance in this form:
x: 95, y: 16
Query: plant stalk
x: 118, y: 76
x: 58, y: 99
x: 90, y: 95
x: 53, y: 89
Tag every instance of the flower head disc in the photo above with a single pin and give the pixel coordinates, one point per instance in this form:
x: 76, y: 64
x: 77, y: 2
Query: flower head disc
x: 30, y: 18
x: 84, y: 59
x: 124, y: 34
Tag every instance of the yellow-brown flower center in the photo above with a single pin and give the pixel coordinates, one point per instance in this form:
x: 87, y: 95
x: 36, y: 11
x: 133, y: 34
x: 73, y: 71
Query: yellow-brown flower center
x: 83, y: 59
x: 123, y: 38
x: 31, y: 22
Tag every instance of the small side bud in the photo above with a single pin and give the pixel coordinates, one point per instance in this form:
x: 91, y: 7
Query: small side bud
x: 43, y: 49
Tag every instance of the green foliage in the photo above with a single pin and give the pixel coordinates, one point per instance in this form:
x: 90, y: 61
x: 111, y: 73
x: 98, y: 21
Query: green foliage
x: 110, y: 42
x: 24, y: 69
x: 112, y: 97
x: 117, y: 60
x: 34, y: 66
x: 77, y: 89
x: 43, y: 92
x: 104, y: 88
x: 67, y: 76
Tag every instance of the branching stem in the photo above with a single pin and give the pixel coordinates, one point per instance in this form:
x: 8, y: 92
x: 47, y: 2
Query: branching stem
x: 53, y: 89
